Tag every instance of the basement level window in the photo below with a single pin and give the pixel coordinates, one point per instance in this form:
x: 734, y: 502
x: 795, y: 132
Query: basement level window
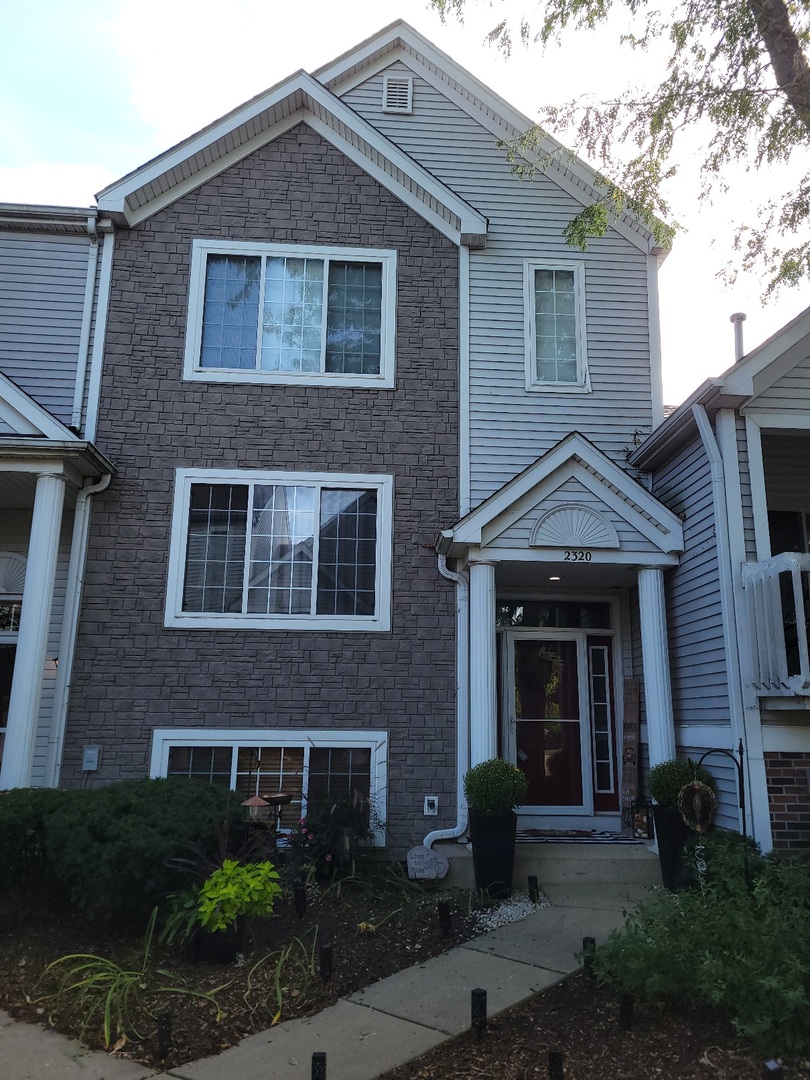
x: 398, y: 94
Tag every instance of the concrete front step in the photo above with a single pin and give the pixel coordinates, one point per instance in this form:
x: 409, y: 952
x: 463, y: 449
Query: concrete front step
x: 563, y: 864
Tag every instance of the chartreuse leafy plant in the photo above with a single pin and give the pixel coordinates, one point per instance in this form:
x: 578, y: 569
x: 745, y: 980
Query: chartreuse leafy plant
x: 494, y: 786
x: 233, y: 891
x: 739, y: 940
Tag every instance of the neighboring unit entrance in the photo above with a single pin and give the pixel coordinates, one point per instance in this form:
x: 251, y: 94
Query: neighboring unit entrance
x: 560, y: 724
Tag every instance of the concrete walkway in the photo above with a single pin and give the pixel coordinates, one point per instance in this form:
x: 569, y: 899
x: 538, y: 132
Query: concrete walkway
x: 380, y: 1027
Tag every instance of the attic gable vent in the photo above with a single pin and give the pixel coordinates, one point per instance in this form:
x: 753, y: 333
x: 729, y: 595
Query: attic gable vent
x: 398, y: 94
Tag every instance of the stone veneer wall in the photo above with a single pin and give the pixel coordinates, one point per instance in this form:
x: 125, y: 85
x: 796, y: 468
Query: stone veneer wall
x: 132, y: 674
x: 788, y: 776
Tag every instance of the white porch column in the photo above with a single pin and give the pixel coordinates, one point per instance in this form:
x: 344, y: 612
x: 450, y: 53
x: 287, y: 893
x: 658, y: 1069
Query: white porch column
x: 29, y: 664
x: 483, y: 683
x: 655, y: 657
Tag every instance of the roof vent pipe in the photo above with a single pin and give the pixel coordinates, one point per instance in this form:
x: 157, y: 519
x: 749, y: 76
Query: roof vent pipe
x: 738, y: 318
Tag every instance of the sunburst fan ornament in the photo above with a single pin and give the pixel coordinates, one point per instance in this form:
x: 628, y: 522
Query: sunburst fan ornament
x: 697, y: 804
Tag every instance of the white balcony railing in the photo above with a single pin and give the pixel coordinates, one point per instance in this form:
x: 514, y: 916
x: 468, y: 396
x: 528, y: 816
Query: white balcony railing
x: 778, y: 592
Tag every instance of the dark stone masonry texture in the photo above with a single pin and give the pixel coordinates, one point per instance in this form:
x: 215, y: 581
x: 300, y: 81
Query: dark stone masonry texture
x: 132, y: 674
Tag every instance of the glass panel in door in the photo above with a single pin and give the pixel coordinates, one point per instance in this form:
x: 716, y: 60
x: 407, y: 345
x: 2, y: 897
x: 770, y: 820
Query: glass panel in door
x: 547, y: 716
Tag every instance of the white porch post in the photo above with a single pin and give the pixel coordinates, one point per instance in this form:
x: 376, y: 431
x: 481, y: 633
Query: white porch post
x: 483, y: 685
x: 655, y: 659
x: 29, y: 664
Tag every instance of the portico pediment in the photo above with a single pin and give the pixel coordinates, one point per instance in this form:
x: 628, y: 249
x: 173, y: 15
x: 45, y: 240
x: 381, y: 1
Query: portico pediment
x: 573, y: 497
x: 23, y: 417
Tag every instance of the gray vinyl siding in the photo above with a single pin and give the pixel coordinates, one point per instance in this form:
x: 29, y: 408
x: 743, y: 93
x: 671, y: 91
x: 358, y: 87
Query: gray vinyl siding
x: 42, y: 287
x: 791, y: 393
x: 509, y: 426
x: 745, y: 490
x: 696, y: 645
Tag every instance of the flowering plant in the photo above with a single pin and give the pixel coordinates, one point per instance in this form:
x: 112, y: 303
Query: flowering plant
x: 331, y: 835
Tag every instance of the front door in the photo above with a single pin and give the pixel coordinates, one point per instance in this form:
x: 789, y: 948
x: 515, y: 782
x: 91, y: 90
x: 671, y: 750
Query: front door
x: 559, y: 721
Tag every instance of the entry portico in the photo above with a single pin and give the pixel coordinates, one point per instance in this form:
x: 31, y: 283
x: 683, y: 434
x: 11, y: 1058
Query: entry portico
x: 566, y: 576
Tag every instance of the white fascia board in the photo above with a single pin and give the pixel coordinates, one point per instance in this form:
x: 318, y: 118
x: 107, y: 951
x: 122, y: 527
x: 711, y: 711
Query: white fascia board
x: 313, y: 98
x: 25, y: 416
x: 503, y: 120
x: 469, y: 530
x: 602, y: 557
x: 769, y: 361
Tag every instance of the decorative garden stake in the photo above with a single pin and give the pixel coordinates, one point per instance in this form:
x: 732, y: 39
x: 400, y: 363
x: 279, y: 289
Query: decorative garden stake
x: 588, y: 949
x: 325, y: 953
x: 164, y: 1033
x: 625, y: 1012
x: 443, y: 908
x: 534, y: 889
x: 478, y: 1011
x: 319, y: 1065
x: 555, y: 1065
x: 300, y: 896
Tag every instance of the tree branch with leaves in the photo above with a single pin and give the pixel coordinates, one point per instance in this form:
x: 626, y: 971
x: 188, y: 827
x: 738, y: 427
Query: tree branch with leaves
x: 736, y: 71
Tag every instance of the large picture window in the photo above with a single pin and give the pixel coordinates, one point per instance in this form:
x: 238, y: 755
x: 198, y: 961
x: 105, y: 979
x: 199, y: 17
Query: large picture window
x: 280, y: 550
x: 286, y: 313
x: 555, y: 327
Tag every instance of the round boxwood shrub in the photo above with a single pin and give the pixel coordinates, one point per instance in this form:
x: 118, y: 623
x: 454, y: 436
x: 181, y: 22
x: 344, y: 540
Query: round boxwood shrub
x: 494, y: 786
x: 667, y: 779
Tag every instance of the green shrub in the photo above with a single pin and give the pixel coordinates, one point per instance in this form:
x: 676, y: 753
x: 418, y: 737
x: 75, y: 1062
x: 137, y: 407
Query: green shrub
x: 24, y: 814
x: 667, y: 779
x: 494, y: 786
x: 333, y: 838
x: 739, y: 940
x: 111, y: 846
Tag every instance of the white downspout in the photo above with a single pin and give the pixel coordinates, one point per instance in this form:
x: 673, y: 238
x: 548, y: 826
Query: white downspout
x: 70, y: 619
x: 462, y: 702
x: 727, y: 599
x: 87, y: 322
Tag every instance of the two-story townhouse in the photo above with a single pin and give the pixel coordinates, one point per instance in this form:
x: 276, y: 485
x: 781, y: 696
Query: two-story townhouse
x: 372, y: 521
x: 54, y: 271
x: 733, y: 461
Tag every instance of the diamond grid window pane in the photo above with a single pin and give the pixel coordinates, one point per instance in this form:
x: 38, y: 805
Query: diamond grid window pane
x: 215, y: 552
x: 555, y: 325
x: 347, y: 552
x: 354, y: 318
x: 230, y: 312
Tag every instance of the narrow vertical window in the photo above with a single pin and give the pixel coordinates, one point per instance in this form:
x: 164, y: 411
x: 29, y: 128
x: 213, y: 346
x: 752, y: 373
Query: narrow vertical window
x: 555, y: 330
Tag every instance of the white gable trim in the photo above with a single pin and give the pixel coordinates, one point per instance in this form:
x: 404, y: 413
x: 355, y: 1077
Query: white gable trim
x: 771, y: 360
x: 24, y: 416
x: 175, y: 173
x: 400, y: 42
x: 574, y: 456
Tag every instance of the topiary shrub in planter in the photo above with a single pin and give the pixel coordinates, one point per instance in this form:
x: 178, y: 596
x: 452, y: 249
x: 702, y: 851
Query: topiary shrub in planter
x: 493, y: 789
x: 665, y: 783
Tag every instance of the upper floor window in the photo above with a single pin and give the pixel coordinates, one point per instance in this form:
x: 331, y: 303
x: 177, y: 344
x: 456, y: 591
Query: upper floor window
x: 280, y: 551
x: 555, y: 327
x: 288, y: 313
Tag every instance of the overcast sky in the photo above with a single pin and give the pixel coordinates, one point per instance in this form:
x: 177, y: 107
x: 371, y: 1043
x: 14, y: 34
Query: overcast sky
x: 90, y: 89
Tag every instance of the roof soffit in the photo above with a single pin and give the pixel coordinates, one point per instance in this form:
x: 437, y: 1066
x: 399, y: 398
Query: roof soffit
x: 235, y: 136
x: 573, y: 458
x: 401, y: 42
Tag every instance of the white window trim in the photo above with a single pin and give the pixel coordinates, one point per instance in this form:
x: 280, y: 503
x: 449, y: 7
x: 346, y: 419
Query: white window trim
x: 201, y: 249
x: 533, y: 383
x: 176, y: 617
x: 163, y: 739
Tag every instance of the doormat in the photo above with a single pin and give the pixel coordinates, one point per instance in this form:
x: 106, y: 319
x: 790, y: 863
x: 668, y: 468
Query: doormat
x: 574, y: 836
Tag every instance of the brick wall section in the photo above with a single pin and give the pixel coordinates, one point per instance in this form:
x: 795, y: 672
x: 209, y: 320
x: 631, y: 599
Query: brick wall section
x: 788, y: 777
x: 131, y: 674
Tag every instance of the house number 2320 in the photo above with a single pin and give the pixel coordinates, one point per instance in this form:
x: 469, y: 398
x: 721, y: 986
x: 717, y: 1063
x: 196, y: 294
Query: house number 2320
x: 577, y: 556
